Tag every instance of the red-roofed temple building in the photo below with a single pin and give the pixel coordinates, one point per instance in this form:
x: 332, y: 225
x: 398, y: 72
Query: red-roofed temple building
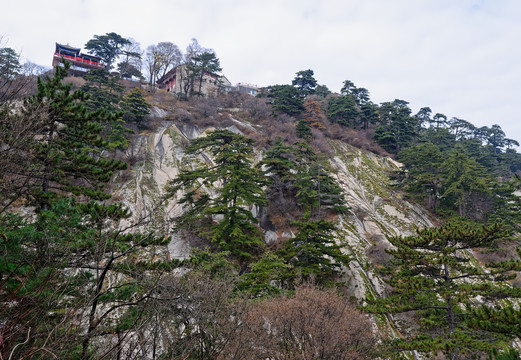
x: 80, y: 63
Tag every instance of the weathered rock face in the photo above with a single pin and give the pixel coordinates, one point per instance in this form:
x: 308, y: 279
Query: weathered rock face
x: 376, y: 210
x: 163, y: 159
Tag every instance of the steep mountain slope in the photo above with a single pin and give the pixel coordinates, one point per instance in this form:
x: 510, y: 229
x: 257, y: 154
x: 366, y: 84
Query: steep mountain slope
x: 376, y: 209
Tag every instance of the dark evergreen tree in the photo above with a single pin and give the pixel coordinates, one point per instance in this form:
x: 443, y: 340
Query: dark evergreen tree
x: 108, y: 47
x: 474, y: 148
x: 439, y: 121
x: 313, y: 252
x: 56, y: 297
x: 507, y: 203
x: 348, y: 88
x: 353, y: 107
x: 497, y: 138
x: 66, y: 156
x: 461, y: 129
x: 512, y: 159
x: 504, y: 320
x: 361, y: 96
x: 295, y: 171
x: 368, y: 114
x: 104, y: 90
x: 14, y: 82
x: 432, y: 274
x: 317, y: 191
x: 343, y: 110
x: 322, y: 91
x: 511, y: 354
x: 135, y: 106
x: 465, y: 184
x: 10, y: 65
x: 105, y: 93
x: 280, y: 166
x: 128, y: 70
x: 279, y: 160
x: 424, y: 115
x: 422, y: 172
x: 286, y: 99
x: 305, y: 82
x: 267, y: 276
x: 206, y: 63
x: 397, y: 129
x: 237, y: 186
x: 439, y: 136
x: 303, y: 130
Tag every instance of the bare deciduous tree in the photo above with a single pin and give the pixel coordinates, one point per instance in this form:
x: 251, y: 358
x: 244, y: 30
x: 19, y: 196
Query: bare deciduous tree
x: 160, y: 59
x: 171, y: 56
x: 313, y: 324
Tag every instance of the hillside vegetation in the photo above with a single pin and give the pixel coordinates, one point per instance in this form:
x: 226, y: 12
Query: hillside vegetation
x: 297, y: 224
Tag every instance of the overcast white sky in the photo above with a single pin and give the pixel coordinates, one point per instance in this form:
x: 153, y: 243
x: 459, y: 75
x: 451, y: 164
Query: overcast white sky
x: 461, y: 58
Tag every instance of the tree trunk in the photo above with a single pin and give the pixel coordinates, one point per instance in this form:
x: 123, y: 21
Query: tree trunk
x: 201, y: 84
x: 450, y: 312
x: 46, y: 174
x: 92, y: 315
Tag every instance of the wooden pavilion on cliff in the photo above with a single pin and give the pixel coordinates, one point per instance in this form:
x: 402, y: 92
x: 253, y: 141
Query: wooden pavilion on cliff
x: 80, y: 63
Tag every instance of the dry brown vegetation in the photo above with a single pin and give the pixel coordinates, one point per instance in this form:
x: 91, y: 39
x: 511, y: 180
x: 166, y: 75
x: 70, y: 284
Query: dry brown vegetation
x: 312, y: 324
x: 197, y: 317
x: 503, y: 251
x: 76, y: 81
x: 215, y: 111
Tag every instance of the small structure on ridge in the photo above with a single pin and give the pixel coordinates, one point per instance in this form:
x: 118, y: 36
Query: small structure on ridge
x: 80, y: 63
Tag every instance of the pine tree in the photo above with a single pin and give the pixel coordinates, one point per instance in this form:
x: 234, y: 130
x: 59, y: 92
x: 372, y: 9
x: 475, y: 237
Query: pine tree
x: 135, y: 106
x: 104, y: 90
x: 463, y: 178
x: 280, y: 166
x: 305, y: 82
x: 318, y: 192
x: 422, y: 173
x: 432, y: 274
x: 237, y: 184
x: 66, y: 157
x: 55, y: 264
x: 201, y: 65
x: 313, y: 252
x: 286, y: 99
x: 108, y: 47
x: 267, y: 276
x: 397, y: 129
x: 56, y: 295
x: 511, y: 354
x: 507, y: 203
x: 295, y: 172
x: 342, y: 110
x: 279, y: 160
x: 303, y: 130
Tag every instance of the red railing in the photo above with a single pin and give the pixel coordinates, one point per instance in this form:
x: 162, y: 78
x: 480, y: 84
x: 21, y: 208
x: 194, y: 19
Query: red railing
x: 90, y: 62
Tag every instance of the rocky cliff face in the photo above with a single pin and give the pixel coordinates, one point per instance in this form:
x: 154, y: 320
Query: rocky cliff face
x: 376, y: 209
